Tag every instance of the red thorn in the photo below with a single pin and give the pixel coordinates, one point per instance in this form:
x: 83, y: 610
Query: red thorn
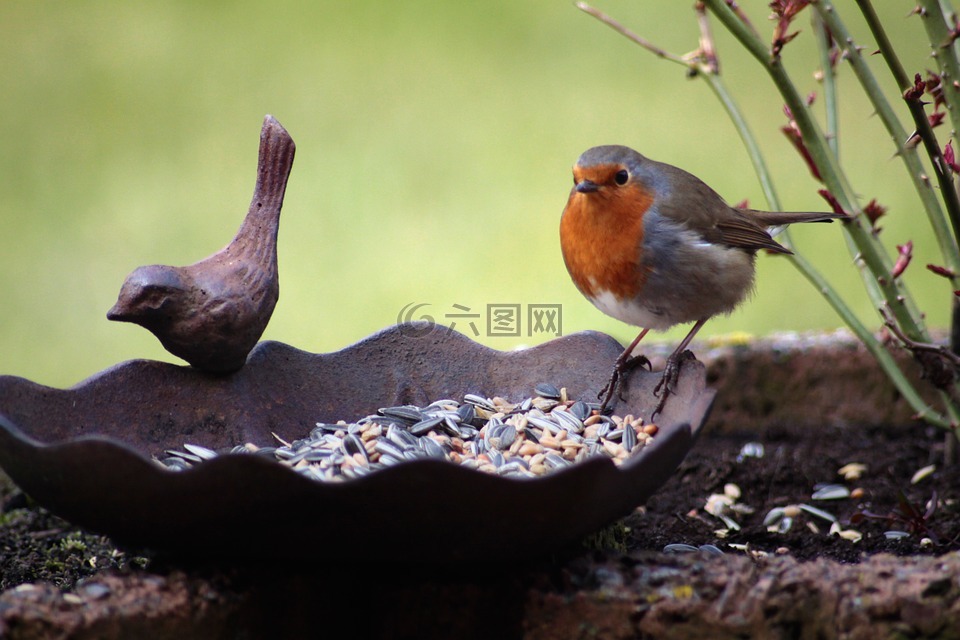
x: 905, y: 254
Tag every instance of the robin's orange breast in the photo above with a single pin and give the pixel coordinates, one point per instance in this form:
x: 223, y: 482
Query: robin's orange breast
x: 600, y: 236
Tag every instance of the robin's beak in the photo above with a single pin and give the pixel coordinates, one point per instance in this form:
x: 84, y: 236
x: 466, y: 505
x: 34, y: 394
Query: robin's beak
x: 587, y: 186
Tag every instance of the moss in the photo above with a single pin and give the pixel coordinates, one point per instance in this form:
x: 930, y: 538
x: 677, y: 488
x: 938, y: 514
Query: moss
x: 11, y: 518
x: 73, y: 543
x: 611, y: 538
x: 50, y: 564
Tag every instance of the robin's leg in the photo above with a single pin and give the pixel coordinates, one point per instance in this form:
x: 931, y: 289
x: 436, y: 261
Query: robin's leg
x: 624, y: 364
x: 671, y: 373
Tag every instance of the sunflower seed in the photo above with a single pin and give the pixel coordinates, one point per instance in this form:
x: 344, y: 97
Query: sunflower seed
x: 567, y: 420
x: 580, y: 409
x: 431, y: 448
x: 352, y: 445
x: 750, y: 450
x: 401, y: 437
x: 175, y: 463
x: 544, y: 423
x: 556, y: 462
x: 679, y: 547
x: 406, y: 412
x: 820, y: 513
x: 479, y: 401
x: 425, y: 426
x: 773, y: 517
x: 200, y: 452
x: 629, y: 439
x: 547, y: 390
x: 923, y: 473
x: 710, y: 549
x: 450, y: 426
x: 189, y: 457
x: 508, y: 436
x: 520, y: 440
x: 831, y: 492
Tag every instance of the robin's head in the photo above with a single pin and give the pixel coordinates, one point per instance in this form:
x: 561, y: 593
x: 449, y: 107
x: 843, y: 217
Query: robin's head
x: 613, y: 184
x: 609, y: 169
x: 602, y: 227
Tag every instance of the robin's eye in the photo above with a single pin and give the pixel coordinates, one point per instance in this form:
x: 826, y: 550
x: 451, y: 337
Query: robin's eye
x: 621, y: 177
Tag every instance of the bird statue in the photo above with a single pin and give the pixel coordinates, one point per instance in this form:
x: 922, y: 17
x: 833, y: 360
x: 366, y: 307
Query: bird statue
x: 213, y: 312
x: 653, y: 246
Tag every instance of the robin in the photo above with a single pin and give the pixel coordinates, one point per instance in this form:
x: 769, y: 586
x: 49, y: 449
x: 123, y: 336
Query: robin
x: 653, y: 246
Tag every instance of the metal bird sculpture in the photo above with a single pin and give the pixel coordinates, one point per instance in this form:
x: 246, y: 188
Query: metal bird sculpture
x: 213, y: 312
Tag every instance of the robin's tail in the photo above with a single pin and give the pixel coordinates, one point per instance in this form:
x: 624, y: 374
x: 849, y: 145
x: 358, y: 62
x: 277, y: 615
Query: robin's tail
x: 777, y: 221
x: 780, y: 218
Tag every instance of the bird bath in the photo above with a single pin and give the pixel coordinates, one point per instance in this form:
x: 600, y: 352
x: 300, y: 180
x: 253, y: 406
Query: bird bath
x: 86, y: 453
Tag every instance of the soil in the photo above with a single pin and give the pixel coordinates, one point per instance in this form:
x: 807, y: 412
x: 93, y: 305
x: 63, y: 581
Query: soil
x: 793, y: 465
x: 56, y: 558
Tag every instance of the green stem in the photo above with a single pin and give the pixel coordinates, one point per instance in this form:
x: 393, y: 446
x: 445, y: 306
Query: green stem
x: 829, y: 81
x: 868, y: 248
x: 947, y: 240
x: 886, y: 361
x: 746, y: 135
x: 935, y: 15
x: 708, y: 72
x: 643, y: 42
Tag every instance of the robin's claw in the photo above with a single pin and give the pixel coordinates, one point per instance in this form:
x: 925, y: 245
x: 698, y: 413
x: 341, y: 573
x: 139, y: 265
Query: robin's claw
x: 618, y: 379
x: 614, y: 384
x: 671, y: 375
x: 637, y: 361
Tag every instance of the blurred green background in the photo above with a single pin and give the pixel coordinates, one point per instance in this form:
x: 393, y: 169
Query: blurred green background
x: 434, y: 147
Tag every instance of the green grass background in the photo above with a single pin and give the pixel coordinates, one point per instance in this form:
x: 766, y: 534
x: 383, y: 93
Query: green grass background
x: 434, y: 147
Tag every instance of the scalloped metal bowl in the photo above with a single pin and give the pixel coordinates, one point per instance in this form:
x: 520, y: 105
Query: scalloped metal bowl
x: 85, y: 452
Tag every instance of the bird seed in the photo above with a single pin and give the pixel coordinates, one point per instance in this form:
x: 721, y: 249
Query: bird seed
x: 539, y: 434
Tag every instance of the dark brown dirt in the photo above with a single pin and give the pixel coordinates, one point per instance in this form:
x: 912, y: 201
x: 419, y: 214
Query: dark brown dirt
x: 794, y: 463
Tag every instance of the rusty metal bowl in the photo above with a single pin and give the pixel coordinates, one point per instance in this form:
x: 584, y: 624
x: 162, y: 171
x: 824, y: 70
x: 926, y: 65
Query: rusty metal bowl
x: 85, y: 452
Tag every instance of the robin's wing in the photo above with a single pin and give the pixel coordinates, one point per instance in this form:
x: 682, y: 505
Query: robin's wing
x: 701, y: 209
x: 737, y: 230
x: 747, y: 228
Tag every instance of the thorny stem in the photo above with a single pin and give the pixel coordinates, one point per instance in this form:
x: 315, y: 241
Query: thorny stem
x: 948, y: 391
x: 708, y: 51
x: 828, y: 79
x: 829, y: 293
x: 870, y: 251
x: 714, y: 81
x: 948, y: 244
x: 907, y: 153
x: 949, y: 66
x: 619, y: 28
x: 883, y: 357
x: 939, y: 21
x: 940, y: 350
x: 937, y: 17
x: 871, y: 254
